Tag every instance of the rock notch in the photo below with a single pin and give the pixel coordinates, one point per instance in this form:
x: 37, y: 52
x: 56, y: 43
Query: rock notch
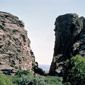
x: 69, y: 40
x: 15, y: 50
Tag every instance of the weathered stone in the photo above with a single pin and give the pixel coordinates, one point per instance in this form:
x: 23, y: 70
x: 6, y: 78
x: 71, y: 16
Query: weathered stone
x: 38, y: 70
x: 69, y: 40
x: 15, y: 50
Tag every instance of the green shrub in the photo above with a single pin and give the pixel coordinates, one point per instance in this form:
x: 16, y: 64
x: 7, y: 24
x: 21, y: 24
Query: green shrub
x: 76, y: 74
x: 53, y: 80
x: 23, y: 72
x: 27, y: 78
x: 22, y: 77
x: 39, y: 80
x: 4, y: 80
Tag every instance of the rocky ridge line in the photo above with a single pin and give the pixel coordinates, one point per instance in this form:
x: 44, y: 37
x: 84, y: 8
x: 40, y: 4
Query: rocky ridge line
x: 15, y: 50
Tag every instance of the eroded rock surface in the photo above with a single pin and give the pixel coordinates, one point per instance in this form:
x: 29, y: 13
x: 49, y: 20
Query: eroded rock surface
x: 15, y: 50
x: 69, y: 40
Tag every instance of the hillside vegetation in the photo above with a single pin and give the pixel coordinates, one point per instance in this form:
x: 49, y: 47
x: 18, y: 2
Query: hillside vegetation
x: 75, y: 76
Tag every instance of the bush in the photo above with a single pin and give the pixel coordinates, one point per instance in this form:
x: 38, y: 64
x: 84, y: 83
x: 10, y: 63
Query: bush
x: 22, y: 78
x: 76, y: 74
x: 39, y: 80
x: 27, y: 78
x: 4, y: 80
x: 53, y: 80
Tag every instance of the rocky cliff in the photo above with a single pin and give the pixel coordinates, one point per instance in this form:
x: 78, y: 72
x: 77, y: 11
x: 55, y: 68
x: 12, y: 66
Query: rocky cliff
x: 69, y: 40
x: 15, y: 50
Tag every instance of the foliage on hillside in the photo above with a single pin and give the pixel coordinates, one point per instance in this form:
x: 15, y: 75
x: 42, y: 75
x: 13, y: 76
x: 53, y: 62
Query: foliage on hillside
x: 4, y: 80
x: 27, y: 78
x: 76, y: 73
x: 75, y: 76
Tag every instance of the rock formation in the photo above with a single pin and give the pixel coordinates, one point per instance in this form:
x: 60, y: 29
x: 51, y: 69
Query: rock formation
x: 69, y: 40
x: 15, y: 50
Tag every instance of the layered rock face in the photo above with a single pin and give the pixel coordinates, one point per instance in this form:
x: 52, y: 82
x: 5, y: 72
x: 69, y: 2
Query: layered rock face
x: 15, y: 50
x: 69, y: 40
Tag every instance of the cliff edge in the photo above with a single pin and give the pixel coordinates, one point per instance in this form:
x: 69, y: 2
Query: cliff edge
x: 69, y: 40
x: 15, y: 50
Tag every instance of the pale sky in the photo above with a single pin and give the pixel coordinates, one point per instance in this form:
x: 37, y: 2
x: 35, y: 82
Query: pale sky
x: 39, y: 17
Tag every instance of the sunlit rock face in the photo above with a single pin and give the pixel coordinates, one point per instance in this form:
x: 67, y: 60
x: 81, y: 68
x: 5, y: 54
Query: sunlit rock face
x: 15, y: 50
x: 69, y: 40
